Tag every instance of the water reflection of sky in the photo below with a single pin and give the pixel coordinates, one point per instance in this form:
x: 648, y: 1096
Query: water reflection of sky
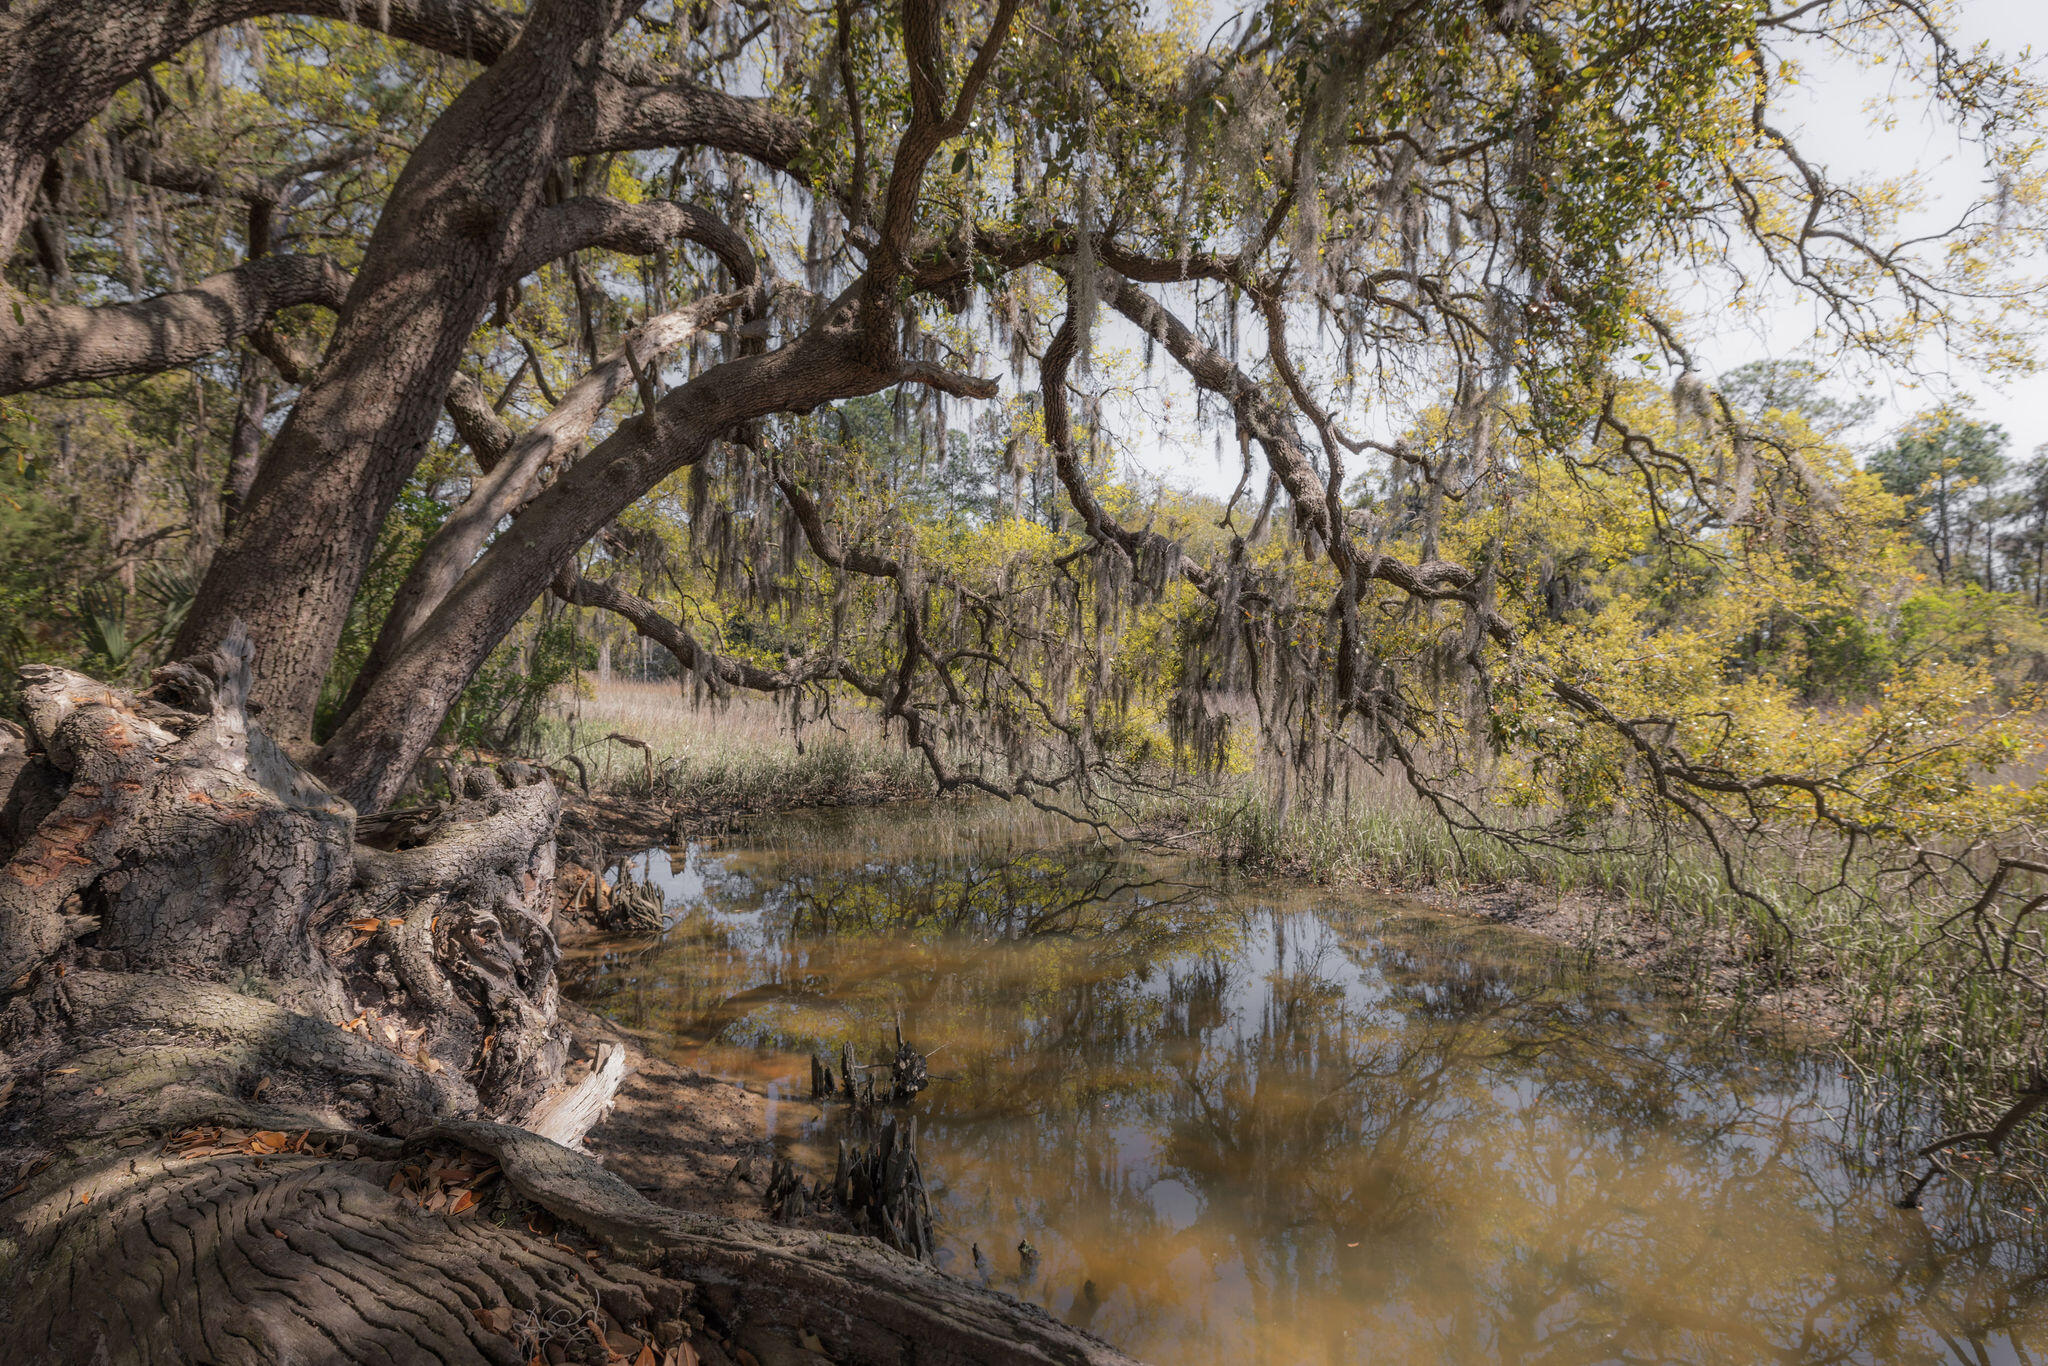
x: 1267, y: 1124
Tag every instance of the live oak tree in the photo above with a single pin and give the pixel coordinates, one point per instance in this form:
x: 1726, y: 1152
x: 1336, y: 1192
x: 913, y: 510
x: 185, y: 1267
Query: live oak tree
x: 679, y: 240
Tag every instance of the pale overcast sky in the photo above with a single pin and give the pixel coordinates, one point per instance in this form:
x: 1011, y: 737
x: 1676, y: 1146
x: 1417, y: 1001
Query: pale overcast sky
x: 1832, y: 109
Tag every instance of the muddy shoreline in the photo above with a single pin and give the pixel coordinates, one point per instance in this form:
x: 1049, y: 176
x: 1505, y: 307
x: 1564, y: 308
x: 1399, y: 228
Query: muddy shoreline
x: 680, y: 1137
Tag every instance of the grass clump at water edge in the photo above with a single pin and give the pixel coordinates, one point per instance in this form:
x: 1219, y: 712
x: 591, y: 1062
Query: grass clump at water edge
x: 1878, y: 961
x: 740, y: 754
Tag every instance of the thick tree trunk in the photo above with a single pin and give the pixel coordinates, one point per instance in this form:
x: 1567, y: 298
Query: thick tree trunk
x: 372, y: 752
x: 263, y: 1073
x: 451, y: 231
x: 179, y: 840
x: 516, y: 473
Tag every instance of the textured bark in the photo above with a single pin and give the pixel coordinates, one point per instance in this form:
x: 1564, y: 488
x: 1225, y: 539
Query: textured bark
x: 59, y: 343
x: 232, y: 1258
x: 473, y: 952
x: 61, y: 61
x: 184, y: 841
x: 566, y: 1116
x: 204, y: 1163
x: 477, y: 422
x: 375, y: 748
x: 517, y: 472
x: 623, y: 114
x: 595, y: 221
x: 453, y: 226
x: 245, y: 442
x: 29, y: 788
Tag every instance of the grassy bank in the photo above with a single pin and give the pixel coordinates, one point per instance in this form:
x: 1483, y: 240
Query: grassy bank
x: 1866, y: 962
x: 739, y: 755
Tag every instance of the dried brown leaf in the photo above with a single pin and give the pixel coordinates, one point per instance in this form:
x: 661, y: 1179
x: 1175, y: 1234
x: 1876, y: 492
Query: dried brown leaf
x: 498, y: 1320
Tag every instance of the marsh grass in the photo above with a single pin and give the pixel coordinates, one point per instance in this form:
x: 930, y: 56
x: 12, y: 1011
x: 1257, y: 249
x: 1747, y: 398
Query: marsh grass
x: 1917, y: 1013
x: 743, y: 754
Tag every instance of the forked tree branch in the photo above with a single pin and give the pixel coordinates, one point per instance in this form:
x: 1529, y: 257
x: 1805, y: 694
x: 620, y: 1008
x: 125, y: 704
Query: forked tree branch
x: 46, y: 344
x: 598, y: 221
x: 524, y: 465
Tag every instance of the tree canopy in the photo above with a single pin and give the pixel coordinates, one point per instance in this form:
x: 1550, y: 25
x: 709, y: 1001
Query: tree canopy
x: 801, y: 341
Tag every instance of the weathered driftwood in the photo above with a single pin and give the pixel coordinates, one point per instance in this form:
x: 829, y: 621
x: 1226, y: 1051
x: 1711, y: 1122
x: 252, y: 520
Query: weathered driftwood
x: 567, y: 1114
x: 237, y: 1044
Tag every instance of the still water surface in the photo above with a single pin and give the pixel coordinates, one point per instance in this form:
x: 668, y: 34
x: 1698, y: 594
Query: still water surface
x: 1261, y: 1122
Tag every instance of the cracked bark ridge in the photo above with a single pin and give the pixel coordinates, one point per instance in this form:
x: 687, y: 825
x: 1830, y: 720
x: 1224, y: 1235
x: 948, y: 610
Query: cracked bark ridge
x: 465, y: 948
x: 185, y: 841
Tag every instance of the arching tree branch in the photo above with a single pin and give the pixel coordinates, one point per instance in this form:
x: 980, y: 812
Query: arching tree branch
x: 477, y: 422
x: 614, y: 225
x: 59, y: 343
x: 636, y: 111
x: 525, y: 463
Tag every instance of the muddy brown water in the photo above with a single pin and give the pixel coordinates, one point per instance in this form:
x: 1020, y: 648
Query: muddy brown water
x: 1259, y: 1122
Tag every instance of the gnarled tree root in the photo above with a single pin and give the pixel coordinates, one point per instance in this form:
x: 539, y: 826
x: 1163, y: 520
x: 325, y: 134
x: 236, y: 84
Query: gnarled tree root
x: 144, y: 1257
x: 121, y: 1249
x: 260, y: 1083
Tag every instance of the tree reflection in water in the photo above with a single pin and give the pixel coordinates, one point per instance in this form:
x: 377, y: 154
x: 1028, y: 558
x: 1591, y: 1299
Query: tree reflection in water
x: 1258, y: 1123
